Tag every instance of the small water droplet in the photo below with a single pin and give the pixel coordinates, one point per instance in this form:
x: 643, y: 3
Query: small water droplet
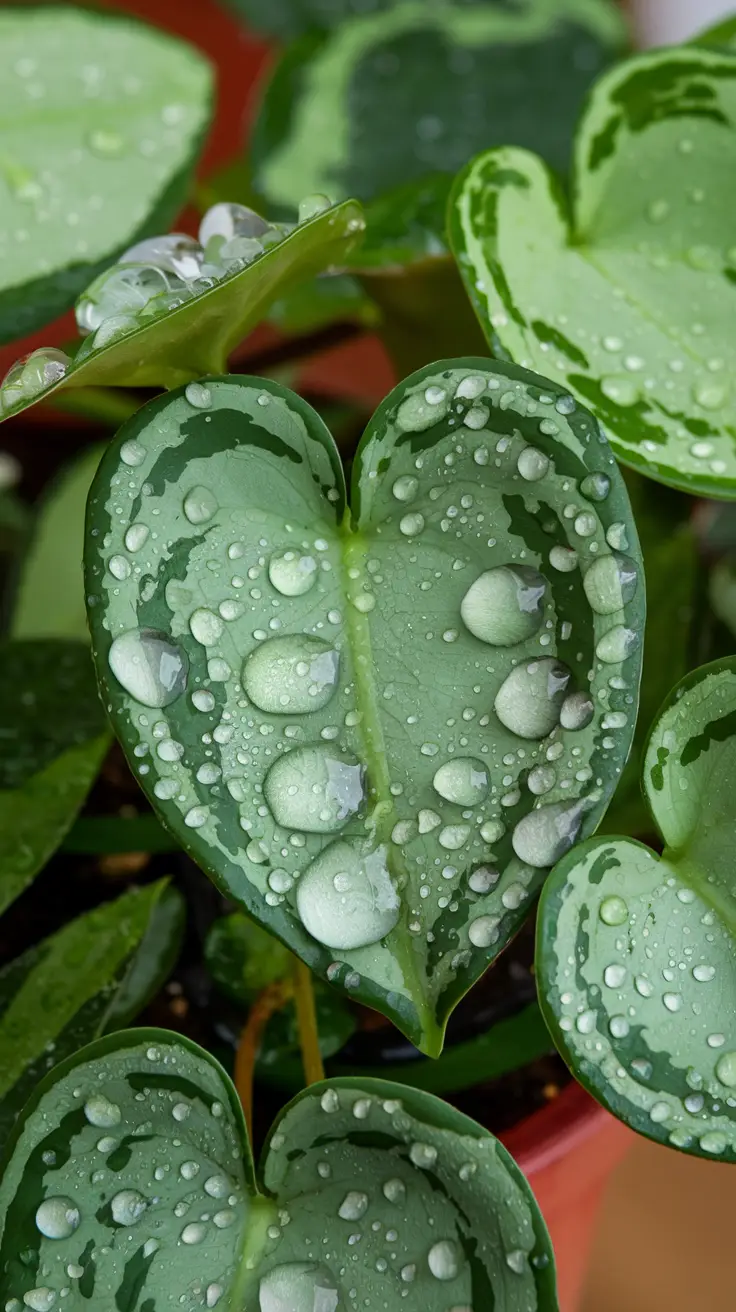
x: 292, y: 574
x: 311, y: 206
x: 613, y: 910
x: 200, y: 505
x: 444, y: 1259
x: 463, y: 780
x: 198, y: 395
x: 291, y: 675
x: 532, y: 464
x: 405, y: 488
x: 102, y: 1113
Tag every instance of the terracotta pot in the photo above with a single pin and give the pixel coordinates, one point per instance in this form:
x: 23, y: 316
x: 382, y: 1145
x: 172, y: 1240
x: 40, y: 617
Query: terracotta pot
x: 567, y: 1151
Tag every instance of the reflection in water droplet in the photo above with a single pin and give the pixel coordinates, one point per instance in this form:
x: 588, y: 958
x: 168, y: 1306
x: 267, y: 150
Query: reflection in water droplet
x: 529, y: 700
x: 610, y: 583
x: 293, y: 674
x: 505, y: 605
x: 463, y: 780
x: 292, y: 574
x: 346, y: 899
x: 200, y: 505
x: 298, y: 1287
x: 58, y: 1218
x: 149, y: 666
x: 314, y: 790
x: 544, y: 835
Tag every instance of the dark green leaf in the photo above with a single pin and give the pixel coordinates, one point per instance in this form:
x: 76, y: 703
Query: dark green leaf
x: 243, y: 959
x: 89, y: 978
x: 637, y: 953
x: 49, y: 602
x: 279, y: 647
x: 170, y: 1213
x: 331, y: 298
x: 628, y: 297
x: 118, y: 833
x: 280, y: 1050
x: 103, y: 119
x: 52, y: 742
x: 391, y: 96
x: 178, y: 344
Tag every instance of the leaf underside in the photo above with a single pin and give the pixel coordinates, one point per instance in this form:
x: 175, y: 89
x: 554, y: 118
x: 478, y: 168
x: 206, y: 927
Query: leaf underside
x: 199, y: 335
x: 165, y: 1208
x: 328, y: 747
x: 103, y: 119
x: 642, y: 332
x: 413, y: 89
x: 645, y: 1016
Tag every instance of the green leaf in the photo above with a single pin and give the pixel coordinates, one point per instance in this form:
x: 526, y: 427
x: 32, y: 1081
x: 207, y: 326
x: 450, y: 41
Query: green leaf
x: 242, y: 958
x: 179, y: 344
x: 172, y: 1213
x: 281, y: 1047
x: 52, y: 744
x: 330, y: 298
x: 626, y: 297
x: 413, y: 89
x: 644, y: 1014
x: 720, y: 34
x: 49, y: 601
x: 103, y: 120
x: 293, y: 683
x: 94, y: 975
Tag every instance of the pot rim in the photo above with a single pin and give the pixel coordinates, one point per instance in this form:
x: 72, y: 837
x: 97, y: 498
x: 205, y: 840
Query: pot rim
x: 553, y: 1131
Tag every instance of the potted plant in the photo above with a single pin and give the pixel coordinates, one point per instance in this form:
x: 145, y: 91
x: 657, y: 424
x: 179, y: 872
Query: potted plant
x: 380, y: 684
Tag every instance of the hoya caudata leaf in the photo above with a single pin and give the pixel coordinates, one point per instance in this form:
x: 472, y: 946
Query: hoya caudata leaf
x: 54, y: 738
x: 376, y: 727
x: 102, y: 123
x: 644, y: 1015
x: 173, y: 337
x: 129, y: 1182
x: 414, y: 88
x: 626, y: 295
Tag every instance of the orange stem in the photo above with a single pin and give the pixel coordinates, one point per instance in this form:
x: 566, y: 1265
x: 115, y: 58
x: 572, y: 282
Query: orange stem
x: 271, y: 1000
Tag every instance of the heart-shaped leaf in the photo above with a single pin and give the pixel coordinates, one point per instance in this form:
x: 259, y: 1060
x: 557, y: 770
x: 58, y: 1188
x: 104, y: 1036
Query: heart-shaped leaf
x: 91, y: 977
x: 103, y: 119
x: 415, y: 88
x: 376, y: 727
x: 129, y: 1182
x: 54, y: 738
x: 178, y: 344
x: 637, y: 952
x: 645, y: 258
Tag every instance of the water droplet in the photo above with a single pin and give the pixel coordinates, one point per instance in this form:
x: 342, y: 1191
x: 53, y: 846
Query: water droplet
x: 198, y: 395
x: 411, y: 524
x: 545, y: 834
x: 292, y: 574
x: 463, y: 780
x: 417, y: 412
x: 672, y: 1001
x: 610, y: 583
x: 205, y: 626
x: 453, y: 837
x: 313, y: 790
x: 127, y: 1207
x: 311, y: 206
x: 613, y: 911
x: 405, y: 488
x: 200, y: 505
x: 505, y: 605
x: 529, y: 700
x: 483, y: 931
x: 102, y: 1113
x: 532, y: 464
x: 516, y: 1260
x: 193, y: 1233
x: 40, y: 1299
x: 149, y: 666
x: 596, y: 487
x: 616, y: 645
x: 614, y: 976
x: 541, y: 779
x: 713, y: 1142
x: 31, y: 374
x: 726, y: 1069
x: 577, y: 711
x: 703, y: 974
x: 394, y: 1190
x: 329, y: 1102
x: 289, y: 675
x: 58, y: 1218
x: 563, y: 559
x: 346, y: 898
x: 710, y: 394
x: 353, y: 1206
x: 106, y: 144
x: 299, y: 1287
x: 444, y: 1259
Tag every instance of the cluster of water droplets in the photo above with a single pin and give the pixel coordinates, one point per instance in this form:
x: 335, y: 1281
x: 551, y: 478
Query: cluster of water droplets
x: 149, y: 280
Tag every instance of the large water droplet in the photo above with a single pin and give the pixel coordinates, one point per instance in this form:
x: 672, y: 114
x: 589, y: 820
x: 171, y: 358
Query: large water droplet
x: 532, y: 464
x: 462, y: 780
x: 121, y: 291
x: 149, y: 666
x: 505, y: 605
x: 610, y: 583
x: 544, y: 835
x: 529, y: 700
x: 405, y: 488
x: 127, y: 1207
x: 577, y: 710
x: 613, y: 910
x: 174, y: 251
x: 346, y: 899
x: 726, y: 1069
x: 298, y: 1287
x: 313, y: 789
x: 353, y: 1206
x: 422, y: 409
x: 227, y: 220
x: 617, y: 644
x: 205, y: 626
x: 200, y: 505
x: 57, y: 1218
x: 311, y: 206
x: 444, y: 1259
x: 292, y: 574
x: 293, y: 674
x: 31, y: 374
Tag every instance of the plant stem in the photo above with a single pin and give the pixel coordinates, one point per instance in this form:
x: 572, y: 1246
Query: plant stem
x: 306, y: 1016
x: 271, y: 1000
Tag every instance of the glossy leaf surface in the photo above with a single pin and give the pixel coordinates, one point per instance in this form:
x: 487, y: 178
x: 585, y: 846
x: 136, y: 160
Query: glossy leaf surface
x: 416, y: 88
x: 53, y: 741
x: 171, y: 1211
x: 49, y: 600
x: 645, y: 1016
x: 103, y: 119
x: 626, y: 296
x: 199, y: 335
x: 374, y: 728
x: 94, y: 975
